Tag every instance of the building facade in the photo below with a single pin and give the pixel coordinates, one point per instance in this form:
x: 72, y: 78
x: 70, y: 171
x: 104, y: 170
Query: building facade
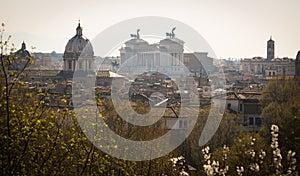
x: 199, y: 63
x: 262, y: 66
x: 138, y: 56
x: 269, y: 66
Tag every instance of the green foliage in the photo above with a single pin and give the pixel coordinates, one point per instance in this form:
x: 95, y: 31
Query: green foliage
x: 228, y: 129
x: 132, y: 132
x: 39, y: 140
x: 281, y: 106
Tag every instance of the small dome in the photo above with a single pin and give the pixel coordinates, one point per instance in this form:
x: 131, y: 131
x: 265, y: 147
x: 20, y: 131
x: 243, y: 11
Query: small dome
x: 298, y: 56
x: 23, y: 53
x: 79, y: 45
x: 22, y: 58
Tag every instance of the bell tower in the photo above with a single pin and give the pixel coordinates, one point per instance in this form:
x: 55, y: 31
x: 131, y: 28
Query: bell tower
x: 270, y: 49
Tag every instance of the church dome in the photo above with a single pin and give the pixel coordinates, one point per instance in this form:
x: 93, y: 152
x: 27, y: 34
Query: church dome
x: 22, y: 58
x: 298, y: 56
x: 23, y: 53
x: 79, y: 45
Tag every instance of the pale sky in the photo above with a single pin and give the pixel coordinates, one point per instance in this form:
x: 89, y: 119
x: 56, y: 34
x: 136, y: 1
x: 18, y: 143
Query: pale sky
x: 233, y: 28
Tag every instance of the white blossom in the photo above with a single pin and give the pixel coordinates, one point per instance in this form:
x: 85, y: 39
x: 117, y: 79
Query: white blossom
x: 240, y: 170
x: 291, y: 161
x: 252, y: 153
x: 183, y: 173
x: 276, y: 151
x: 262, y: 154
x: 275, y: 128
x: 225, y: 151
x: 252, y: 140
x: 254, y: 167
x: 179, y: 162
x: 212, y: 167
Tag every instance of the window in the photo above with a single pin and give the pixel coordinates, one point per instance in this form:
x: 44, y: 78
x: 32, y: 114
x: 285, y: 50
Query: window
x: 229, y: 106
x: 241, y: 107
x: 257, y: 121
x: 185, y: 124
x: 251, y: 121
x: 182, y: 124
x: 254, y: 121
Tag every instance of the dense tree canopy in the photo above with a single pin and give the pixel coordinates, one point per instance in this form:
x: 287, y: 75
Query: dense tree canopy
x: 281, y: 106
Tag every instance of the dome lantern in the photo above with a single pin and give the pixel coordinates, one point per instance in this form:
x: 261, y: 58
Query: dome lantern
x: 79, y: 29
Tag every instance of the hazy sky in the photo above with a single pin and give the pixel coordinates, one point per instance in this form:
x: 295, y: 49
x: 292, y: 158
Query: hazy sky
x: 233, y: 28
